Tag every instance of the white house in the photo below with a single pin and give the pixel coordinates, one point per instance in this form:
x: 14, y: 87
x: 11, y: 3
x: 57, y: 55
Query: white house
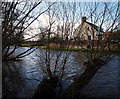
x: 88, y: 31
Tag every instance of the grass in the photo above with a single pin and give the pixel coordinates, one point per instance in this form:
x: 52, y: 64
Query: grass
x: 43, y: 47
x: 29, y: 45
x: 73, y: 49
x: 25, y: 45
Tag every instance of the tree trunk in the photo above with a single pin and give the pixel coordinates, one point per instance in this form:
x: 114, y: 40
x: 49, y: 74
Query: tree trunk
x: 83, y: 80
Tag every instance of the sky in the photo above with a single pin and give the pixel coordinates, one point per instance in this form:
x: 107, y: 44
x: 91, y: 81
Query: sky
x: 76, y: 0
x: 85, y: 12
x: 43, y: 20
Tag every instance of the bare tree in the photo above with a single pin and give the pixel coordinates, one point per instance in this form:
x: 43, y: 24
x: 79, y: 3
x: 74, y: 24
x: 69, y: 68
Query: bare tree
x: 53, y: 63
x: 65, y: 16
x: 91, y: 58
x: 17, y: 16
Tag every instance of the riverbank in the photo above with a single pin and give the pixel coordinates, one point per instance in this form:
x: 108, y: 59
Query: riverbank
x: 112, y: 51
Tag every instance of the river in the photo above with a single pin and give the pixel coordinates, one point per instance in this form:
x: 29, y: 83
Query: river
x: 19, y: 77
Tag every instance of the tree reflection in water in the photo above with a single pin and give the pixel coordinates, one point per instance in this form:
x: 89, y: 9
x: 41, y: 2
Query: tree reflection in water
x: 12, y: 80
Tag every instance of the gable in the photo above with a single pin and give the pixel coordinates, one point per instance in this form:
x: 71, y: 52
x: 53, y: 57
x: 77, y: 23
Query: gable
x: 84, y: 28
x: 88, y: 28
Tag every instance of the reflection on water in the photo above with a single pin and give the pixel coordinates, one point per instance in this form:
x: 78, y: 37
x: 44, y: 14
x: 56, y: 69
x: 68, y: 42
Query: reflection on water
x: 105, y: 82
x: 15, y: 73
x: 19, y: 77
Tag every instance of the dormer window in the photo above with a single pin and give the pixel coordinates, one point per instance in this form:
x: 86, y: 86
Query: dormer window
x: 89, y: 37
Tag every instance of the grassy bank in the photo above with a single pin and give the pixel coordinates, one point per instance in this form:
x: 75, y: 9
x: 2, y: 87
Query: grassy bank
x: 114, y: 51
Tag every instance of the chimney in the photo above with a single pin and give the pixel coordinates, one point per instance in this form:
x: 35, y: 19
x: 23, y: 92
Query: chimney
x: 83, y: 19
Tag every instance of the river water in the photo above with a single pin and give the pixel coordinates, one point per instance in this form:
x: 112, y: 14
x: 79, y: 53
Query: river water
x: 19, y: 76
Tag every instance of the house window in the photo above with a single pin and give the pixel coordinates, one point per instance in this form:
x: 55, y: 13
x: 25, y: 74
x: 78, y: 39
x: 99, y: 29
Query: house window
x: 88, y: 28
x: 89, y: 37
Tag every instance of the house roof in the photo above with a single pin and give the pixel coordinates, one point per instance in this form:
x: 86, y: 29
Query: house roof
x: 96, y: 27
